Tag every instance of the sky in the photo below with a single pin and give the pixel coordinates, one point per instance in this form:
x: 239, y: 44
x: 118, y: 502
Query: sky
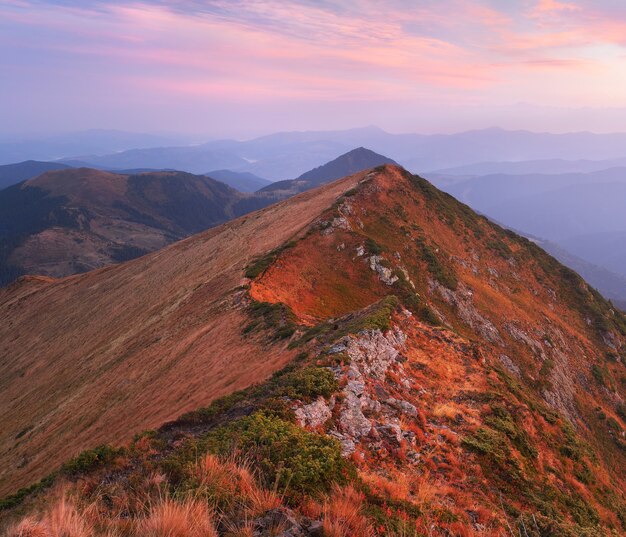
x: 234, y: 68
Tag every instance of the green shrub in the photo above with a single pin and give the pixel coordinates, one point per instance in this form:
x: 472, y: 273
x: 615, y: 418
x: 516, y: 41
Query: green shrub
x: 277, y: 317
x: 503, y: 421
x: 91, y: 459
x: 500, y: 247
x: 286, y: 455
x: 216, y: 408
x: 307, y: 383
x: 260, y: 264
x: 9, y: 502
x: 373, y: 247
x: 442, y: 273
x: 598, y: 374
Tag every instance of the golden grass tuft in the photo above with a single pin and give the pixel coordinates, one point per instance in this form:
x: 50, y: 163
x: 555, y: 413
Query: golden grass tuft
x: 63, y: 520
x: 169, y: 518
x: 29, y: 527
x: 343, y: 515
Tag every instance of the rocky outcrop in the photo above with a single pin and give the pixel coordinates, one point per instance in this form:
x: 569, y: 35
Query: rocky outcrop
x: 367, y: 414
x: 461, y: 299
x: 314, y: 414
x: 385, y: 274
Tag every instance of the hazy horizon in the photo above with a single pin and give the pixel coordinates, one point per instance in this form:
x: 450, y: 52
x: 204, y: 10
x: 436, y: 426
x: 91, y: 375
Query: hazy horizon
x: 217, y: 69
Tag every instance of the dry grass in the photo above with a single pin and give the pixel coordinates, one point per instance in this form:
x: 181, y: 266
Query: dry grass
x: 29, y: 527
x: 63, y: 520
x: 446, y: 410
x: 109, y: 319
x: 397, y: 486
x: 168, y: 518
x: 343, y: 515
x: 229, y: 482
x: 165, y: 517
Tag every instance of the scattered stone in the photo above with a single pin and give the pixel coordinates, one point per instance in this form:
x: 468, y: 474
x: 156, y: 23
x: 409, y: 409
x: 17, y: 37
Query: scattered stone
x: 372, y: 352
x: 385, y: 274
x: 509, y: 365
x: 520, y: 335
x: 352, y: 421
x: 462, y: 301
x: 339, y: 222
x: 314, y: 414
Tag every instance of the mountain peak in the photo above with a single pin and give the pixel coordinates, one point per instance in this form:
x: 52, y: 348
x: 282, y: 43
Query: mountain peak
x: 351, y: 162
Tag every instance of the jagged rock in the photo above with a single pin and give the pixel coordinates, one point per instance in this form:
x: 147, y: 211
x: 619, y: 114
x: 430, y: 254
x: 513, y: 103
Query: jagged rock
x: 355, y: 386
x: 407, y: 277
x: 563, y: 386
x: 339, y: 222
x: 373, y: 352
x: 347, y: 445
x: 352, y: 421
x: 520, y: 335
x: 403, y: 406
x: 462, y: 301
x: 316, y: 529
x: 282, y: 518
x: 370, y: 405
x: 338, y: 347
x: 391, y: 432
x: 385, y: 274
x: 360, y: 250
x: 509, y: 365
x: 314, y: 414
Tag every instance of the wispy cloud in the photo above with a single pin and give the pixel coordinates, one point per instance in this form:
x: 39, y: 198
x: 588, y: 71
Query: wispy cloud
x: 256, y: 51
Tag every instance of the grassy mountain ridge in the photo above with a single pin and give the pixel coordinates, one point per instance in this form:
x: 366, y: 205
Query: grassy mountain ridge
x: 452, y: 378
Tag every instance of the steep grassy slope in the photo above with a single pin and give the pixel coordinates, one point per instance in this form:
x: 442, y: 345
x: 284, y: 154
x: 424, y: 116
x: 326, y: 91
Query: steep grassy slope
x: 75, y: 220
x: 99, y: 356
x: 449, y: 377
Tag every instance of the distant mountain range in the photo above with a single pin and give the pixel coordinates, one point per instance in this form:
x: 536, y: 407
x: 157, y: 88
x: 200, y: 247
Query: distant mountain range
x: 583, y: 213
x: 525, y: 167
x: 580, y: 215
x: 99, y: 141
x: 287, y: 155
x: 611, y: 284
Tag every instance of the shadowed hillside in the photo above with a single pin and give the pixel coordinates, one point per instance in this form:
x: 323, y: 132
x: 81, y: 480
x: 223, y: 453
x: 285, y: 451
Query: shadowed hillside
x: 70, y: 221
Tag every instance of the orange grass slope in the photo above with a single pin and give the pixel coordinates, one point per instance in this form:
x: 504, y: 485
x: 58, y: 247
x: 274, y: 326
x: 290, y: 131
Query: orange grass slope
x: 558, y: 340
x: 505, y: 396
x: 97, y: 357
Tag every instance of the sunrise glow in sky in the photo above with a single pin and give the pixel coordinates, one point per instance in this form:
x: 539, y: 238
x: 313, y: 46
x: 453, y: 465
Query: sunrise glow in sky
x: 234, y: 67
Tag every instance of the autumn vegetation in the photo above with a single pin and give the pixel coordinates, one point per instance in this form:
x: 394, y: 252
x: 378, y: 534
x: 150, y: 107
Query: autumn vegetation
x: 501, y: 413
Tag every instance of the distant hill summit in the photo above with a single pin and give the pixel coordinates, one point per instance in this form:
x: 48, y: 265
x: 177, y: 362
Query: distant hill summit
x: 69, y: 221
x: 11, y: 174
x: 354, y: 161
x: 242, y: 181
x: 349, y: 163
